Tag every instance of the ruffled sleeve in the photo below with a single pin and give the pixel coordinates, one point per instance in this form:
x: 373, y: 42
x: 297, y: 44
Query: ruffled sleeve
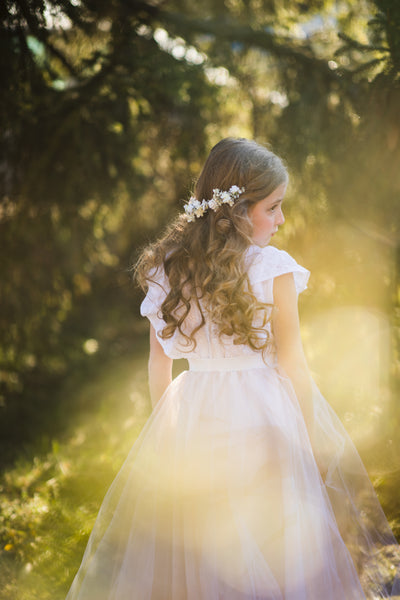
x: 267, y: 263
x: 156, y: 293
x: 151, y: 308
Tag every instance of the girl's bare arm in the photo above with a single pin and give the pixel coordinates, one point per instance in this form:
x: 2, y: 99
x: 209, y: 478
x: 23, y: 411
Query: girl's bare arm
x: 290, y: 353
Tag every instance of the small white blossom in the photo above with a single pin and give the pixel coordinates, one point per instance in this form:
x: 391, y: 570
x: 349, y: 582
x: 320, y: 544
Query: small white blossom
x: 190, y: 218
x: 199, y: 210
x: 226, y: 198
x: 194, y: 208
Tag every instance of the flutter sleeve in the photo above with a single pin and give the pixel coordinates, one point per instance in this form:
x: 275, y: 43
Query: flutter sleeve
x: 156, y: 293
x: 268, y: 263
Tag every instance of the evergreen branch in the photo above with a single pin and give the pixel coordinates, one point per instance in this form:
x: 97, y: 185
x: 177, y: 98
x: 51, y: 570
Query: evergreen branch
x: 74, y: 13
x: 61, y: 57
x: 367, y: 65
x: 42, y: 34
x: 33, y: 25
x: 358, y: 45
x: 284, y: 48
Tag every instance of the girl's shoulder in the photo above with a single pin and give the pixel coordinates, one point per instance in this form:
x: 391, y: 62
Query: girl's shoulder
x: 269, y: 262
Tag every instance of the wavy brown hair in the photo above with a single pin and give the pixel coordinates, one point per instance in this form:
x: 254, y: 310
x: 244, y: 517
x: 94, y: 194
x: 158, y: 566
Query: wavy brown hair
x: 205, y: 259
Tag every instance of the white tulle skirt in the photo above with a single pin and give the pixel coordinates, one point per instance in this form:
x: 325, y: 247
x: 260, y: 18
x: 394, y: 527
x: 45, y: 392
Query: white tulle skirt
x: 221, y: 499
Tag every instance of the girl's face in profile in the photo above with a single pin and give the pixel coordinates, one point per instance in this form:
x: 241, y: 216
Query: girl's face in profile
x: 266, y: 216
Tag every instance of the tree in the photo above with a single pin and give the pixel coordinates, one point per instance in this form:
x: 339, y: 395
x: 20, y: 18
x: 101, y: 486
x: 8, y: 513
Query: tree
x: 93, y: 112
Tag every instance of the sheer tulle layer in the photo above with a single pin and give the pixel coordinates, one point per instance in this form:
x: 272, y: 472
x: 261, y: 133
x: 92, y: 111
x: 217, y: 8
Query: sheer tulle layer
x: 221, y: 499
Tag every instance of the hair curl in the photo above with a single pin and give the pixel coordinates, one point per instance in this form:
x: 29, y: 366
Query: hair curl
x: 204, y: 259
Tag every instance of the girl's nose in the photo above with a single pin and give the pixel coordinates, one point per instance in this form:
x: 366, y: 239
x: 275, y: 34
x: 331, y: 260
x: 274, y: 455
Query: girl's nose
x: 280, y: 219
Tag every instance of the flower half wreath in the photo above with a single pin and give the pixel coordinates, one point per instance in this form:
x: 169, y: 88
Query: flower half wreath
x: 195, y: 209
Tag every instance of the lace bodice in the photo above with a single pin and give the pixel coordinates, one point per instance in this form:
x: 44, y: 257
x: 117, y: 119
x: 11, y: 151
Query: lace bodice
x: 264, y: 264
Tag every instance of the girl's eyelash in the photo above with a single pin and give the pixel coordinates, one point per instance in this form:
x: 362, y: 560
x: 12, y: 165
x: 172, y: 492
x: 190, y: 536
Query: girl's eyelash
x: 272, y: 208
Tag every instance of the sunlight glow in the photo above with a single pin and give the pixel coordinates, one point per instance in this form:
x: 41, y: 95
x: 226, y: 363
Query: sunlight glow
x: 91, y: 346
x: 348, y: 349
x: 219, y: 76
x: 178, y: 47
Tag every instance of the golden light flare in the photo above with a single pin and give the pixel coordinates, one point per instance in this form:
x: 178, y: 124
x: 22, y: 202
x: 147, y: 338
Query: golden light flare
x: 348, y: 349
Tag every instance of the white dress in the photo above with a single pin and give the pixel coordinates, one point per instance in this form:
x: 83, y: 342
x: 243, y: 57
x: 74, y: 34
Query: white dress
x: 221, y: 498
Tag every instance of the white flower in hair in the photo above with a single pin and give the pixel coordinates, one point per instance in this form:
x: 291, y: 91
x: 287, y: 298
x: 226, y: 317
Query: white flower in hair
x: 190, y: 208
x: 226, y: 198
x: 213, y: 204
x: 200, y: 208
x: 194, y: 208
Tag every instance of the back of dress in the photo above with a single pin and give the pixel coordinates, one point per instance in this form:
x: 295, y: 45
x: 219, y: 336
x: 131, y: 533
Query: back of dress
x: 264, y: 264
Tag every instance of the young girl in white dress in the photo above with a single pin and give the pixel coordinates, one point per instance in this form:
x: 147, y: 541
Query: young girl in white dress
x: 243, y: 485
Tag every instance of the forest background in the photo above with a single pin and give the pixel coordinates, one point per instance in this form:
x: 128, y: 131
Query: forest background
x: 107, y: 110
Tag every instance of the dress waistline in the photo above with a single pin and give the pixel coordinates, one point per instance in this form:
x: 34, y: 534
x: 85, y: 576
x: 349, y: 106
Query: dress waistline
x: 232, y: 363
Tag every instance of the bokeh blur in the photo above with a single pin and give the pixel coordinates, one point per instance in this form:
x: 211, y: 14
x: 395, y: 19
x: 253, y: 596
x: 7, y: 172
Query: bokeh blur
x: 107, y: 111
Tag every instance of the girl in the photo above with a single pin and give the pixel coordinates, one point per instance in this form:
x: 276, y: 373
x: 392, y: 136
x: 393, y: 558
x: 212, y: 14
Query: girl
x: 243, y: 484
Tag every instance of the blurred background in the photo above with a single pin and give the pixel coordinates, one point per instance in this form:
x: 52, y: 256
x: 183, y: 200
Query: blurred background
x: 107, y: 112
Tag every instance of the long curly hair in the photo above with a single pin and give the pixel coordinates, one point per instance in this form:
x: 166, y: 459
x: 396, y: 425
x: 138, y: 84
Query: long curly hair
x: 204, y: 260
